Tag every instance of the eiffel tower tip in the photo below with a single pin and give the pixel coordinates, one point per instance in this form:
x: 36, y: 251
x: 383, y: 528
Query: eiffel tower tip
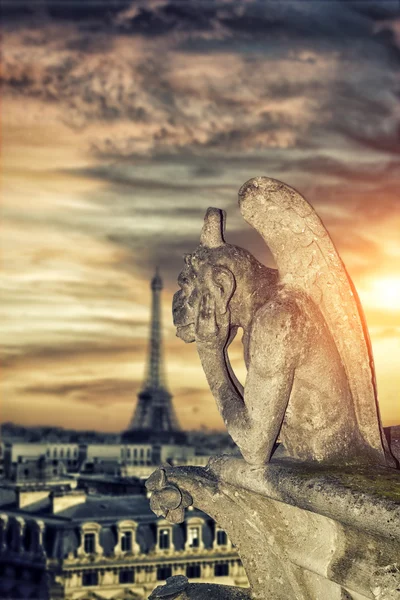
x: 156, y: 282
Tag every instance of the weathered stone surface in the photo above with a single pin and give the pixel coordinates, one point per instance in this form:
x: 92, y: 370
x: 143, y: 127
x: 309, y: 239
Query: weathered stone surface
x: 178, y: 588
x: 310, y: 373
x: 167, y: 500
x: 306, y: 532
x: 174, y: 588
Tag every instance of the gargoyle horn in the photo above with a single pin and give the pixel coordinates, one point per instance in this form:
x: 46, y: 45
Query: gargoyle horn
x: 212, y: 234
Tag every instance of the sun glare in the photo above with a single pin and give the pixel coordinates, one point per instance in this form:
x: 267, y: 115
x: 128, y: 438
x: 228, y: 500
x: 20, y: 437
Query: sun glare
x: 386, y: 292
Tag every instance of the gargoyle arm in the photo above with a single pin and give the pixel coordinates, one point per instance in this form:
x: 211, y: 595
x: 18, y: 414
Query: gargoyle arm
x: 254, y: 421
x: 224, y: 386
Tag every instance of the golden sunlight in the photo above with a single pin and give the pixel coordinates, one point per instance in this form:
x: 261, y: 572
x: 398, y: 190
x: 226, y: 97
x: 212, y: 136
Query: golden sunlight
x: 386, y: 292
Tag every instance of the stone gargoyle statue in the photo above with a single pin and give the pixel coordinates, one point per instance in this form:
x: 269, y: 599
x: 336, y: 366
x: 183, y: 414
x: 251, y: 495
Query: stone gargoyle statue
x: 310, y: 373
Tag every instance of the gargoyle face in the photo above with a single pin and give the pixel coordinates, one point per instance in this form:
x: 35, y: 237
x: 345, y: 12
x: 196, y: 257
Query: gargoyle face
x: 202, y: 276
x: 194, y: 283
x: 212, y: 272
x: 185, y: 303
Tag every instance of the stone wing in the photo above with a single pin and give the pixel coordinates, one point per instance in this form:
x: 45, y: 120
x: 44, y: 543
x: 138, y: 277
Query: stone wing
x: 307, y: 259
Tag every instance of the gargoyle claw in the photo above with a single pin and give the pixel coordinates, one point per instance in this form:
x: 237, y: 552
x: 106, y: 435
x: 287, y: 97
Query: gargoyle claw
x: 167, y: 500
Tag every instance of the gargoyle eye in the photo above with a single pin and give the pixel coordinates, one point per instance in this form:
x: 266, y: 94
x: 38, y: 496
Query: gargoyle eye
x: 183, y: 280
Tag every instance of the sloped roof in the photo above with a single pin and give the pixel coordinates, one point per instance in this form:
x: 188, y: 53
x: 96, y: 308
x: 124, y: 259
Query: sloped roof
x: 110, y: 508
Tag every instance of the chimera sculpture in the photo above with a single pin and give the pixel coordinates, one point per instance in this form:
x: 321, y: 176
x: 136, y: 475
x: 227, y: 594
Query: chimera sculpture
x: 320, y: 519
x: 310, y: 374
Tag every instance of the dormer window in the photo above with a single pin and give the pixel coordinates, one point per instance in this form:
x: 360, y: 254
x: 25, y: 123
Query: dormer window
x: 126, y: 541
x: 194, y: 537
x: 90, y: 540
x: 222, y: 538
x: 194, y: 531
x: 164, y: 539
x: 89, y: 543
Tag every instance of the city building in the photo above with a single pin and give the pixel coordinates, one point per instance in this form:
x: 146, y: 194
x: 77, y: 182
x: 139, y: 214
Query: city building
x: 75, y: 519
x: 67, y: 543
x: 23, y: 462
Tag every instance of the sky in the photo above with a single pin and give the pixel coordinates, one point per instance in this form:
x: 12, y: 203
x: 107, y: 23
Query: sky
x: 122, y: 121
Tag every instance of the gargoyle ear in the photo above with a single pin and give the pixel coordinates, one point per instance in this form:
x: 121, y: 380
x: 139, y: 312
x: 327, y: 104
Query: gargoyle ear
x: 212, y: 234
x: 226, y: 284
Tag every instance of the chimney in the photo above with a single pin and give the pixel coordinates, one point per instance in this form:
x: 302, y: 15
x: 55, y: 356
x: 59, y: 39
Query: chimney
x: 35, y: 499
x: 62, y: 500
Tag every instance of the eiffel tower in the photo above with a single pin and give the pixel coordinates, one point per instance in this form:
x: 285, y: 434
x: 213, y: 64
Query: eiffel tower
x: 154, y: 419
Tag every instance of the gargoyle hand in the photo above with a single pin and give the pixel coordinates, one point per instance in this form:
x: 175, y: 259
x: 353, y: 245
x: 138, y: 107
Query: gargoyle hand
x: 212, y: 328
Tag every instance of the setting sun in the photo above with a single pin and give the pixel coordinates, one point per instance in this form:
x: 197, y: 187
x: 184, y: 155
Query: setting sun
x: 386, y: 292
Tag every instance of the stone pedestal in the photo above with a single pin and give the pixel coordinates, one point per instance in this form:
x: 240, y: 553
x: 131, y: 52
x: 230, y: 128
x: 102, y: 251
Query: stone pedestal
x: 303, y: 532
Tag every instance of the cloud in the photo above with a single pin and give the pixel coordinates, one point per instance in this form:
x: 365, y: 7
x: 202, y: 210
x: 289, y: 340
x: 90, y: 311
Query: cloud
x: 283, y: 94
x: 123, y: 122
x: 99, y: 393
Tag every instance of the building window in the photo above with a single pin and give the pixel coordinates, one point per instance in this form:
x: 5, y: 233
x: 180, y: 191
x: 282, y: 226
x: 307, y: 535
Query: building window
x: 163, y: 573
x: 222, y: 538
x: 127, y: 576
x: 89, y: 544
x: 68, y: 453
x: 76, y: 453
x: 126, y: 542
x: 90, y: 577
x: 122, y: 453
x: 128, y: 452
x: 194, y: 537
x: 55, y: 453
x: 164, y: 539
x: 135, y: 452
x: 48, y: 452
x: 221, y: 570
x: 62, y: 453
x: 193, y: 571
x: 141, y: 453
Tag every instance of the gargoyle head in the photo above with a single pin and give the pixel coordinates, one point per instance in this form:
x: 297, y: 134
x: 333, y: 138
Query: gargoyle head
x: 225, y: 272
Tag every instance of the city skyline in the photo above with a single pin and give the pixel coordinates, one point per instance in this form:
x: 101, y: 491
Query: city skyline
x: 122, y: 124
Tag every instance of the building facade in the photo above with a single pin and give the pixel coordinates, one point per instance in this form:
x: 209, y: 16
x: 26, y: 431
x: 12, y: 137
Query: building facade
x: 23, y: 462
x: 74, y: 545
